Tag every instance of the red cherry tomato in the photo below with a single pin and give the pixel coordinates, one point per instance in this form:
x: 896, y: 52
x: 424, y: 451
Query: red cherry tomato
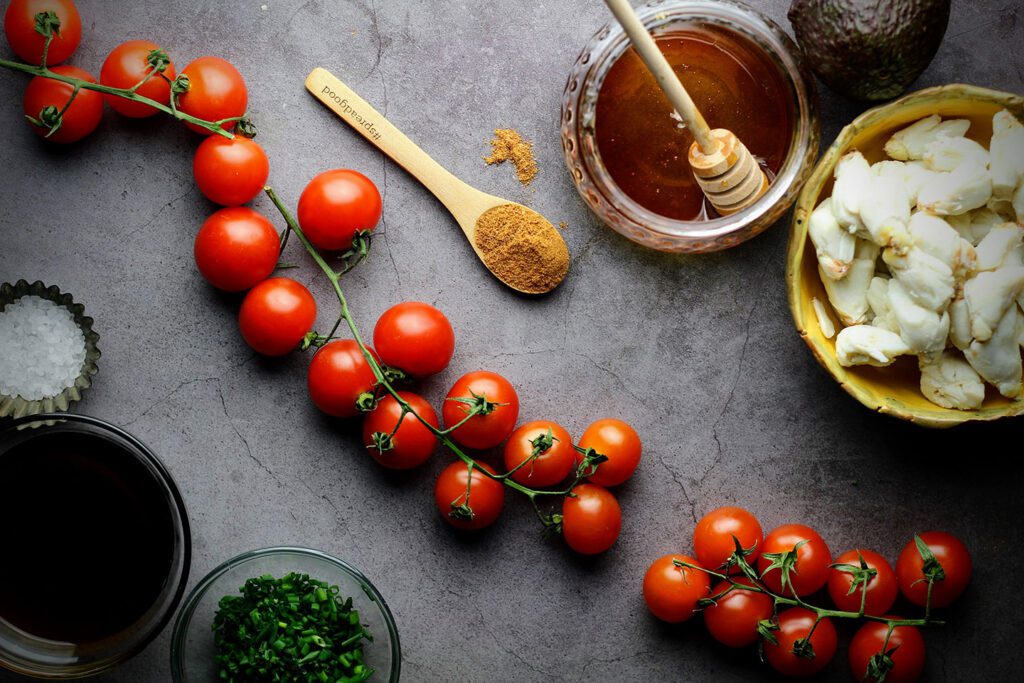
x: 733, y: 619
x: 414, y: 337
x: 236, y: 248
x: 591, y: 519
x: 672, y: 592
x: 482, y: 430
x: 336, y: 205
x: 905, y: 643
x: 553, y: 463
x: 619, y: 443
x: 216, y: 91
x: 27, y: 43
x: 794, y: 624
x: 275, y: 315
x: 812, y: 564
x: 412, y: 444
x: 230, y: 172
x: 483, y: 505
x: 338, y: 375
x: 127, y: 65
x: 82, y: 116
x: 713, y: 537
x: 882, y: 588
x: 951, y: 553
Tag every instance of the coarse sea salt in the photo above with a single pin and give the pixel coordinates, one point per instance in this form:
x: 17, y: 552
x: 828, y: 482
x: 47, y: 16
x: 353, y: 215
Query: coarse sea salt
x: 42, y: 350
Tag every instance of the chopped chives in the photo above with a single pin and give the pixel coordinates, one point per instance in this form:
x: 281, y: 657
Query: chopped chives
x: 290, y: 629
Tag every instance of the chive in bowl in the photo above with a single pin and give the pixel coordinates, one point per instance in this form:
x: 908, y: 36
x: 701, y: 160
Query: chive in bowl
x: 192, y: 642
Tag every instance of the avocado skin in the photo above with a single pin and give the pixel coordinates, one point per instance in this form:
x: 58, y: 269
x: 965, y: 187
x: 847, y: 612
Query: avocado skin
x: 869, y: 49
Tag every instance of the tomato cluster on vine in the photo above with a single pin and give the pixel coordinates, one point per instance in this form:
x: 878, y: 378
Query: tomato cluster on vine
x: 137, y: 79
x: 763, y: 582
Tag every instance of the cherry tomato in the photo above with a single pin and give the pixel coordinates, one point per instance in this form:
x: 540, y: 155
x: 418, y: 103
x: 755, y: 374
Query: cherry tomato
x: 336, y: 205
x: 484, y: 503
x: 794, y: 624
x: 482, y: 430
x: 812, y: 564
x: 216, y: 91
x: 908, y: 658
x: 951, y: 553
x: 236, y: 248
x: 713, y: 537
x: 338, y: 375
x: 230, y: 172
x: 27, y: 43
x: 620, y: 443
x: 412, y: 443
x: 82, y: 116
x: 733, y: 619
x: 553, y: 463
x: 591, y: 519
x: 414, y: 337
x: 128, y: 64
x: 882, y: 588
x: 275, y: 315
x: 672, y: 592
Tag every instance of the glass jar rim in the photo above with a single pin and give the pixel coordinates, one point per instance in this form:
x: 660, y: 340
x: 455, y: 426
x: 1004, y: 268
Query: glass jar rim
x: 151, y: 623
x: 608, y: 44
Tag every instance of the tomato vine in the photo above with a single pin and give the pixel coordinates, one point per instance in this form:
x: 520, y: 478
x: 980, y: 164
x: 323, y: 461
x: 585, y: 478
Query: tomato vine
x: 785, y: 562
x: 50, y: 118
x: 386, y: 378
x: 48, y: 25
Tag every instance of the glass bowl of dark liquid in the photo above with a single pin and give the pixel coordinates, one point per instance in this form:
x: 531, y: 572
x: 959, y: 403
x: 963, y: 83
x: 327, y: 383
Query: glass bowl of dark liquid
x: 96, y: 546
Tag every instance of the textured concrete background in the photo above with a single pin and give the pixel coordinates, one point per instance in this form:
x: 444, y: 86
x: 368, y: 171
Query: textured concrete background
x: 699, y: 353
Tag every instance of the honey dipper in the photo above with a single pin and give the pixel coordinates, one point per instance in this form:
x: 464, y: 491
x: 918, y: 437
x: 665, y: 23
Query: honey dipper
x: 722, y: 165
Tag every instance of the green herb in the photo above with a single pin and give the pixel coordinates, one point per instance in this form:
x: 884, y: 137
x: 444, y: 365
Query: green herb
x: 290, y: 629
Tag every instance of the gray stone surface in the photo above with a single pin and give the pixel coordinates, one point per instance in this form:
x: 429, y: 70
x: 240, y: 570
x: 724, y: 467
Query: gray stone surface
x: 699, y: 353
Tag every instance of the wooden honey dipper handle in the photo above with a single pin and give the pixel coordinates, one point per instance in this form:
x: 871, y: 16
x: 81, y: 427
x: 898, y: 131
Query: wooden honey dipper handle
x: 722, y: 165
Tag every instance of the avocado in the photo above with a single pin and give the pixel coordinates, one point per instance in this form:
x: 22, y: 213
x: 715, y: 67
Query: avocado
x: 869, y: 49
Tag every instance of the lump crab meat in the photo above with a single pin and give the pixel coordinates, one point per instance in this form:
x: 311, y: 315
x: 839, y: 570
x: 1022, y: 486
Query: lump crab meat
x: 868, y: 345
x: 927, y: 280
x: 909, y: 143
x: 834, y: 246
x: 988, y: 295
x: 949, y: 381
x: 998, y: 359
x: 1007, y: 155
x: 923, y: 330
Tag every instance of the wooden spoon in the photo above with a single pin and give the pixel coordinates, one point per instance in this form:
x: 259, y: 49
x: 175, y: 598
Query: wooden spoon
x: 466, y: 203
x: 723, y: 167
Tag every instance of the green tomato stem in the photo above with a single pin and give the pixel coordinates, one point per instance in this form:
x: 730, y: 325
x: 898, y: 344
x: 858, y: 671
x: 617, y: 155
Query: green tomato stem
x: 126, y: 93
x: 345, y: 314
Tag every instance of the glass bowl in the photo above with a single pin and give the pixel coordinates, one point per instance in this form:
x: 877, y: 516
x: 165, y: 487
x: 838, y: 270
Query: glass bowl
x: 615, y: 207
x: 192, y: 647
x: 16, y: 406
x: 34, y: 656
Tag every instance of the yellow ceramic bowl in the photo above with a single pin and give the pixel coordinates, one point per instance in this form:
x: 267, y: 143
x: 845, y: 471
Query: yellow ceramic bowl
x: 894, y: 390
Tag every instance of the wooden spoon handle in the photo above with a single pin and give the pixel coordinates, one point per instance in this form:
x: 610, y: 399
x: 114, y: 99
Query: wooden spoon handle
x: 373, y: 126
x: 663, y: 73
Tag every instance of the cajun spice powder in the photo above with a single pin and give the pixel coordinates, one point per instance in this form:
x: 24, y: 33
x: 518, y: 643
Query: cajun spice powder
x: 522, y: 248
x: 509, y: 145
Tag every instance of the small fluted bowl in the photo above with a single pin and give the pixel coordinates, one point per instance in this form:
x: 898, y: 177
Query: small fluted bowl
x: 893, y: 390
x: 17, y: 406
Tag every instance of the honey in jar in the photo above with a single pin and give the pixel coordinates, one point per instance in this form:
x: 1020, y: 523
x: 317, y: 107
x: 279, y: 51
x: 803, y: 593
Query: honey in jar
x: 642, y: 142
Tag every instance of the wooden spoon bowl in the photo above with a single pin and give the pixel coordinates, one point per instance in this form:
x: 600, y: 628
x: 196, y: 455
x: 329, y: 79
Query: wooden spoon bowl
x: 466, y: 204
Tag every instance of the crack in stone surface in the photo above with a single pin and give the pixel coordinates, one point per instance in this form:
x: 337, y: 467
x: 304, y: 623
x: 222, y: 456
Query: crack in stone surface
x: 608, y: 371
x: 245, y: 442
x: 736, y: 379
